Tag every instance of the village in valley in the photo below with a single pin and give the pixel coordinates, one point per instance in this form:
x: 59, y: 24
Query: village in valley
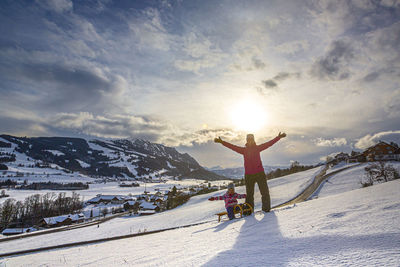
x: 105, y: 207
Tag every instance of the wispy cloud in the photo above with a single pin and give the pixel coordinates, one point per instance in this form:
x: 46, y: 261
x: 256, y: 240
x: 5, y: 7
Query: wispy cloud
x: 330, y: 142
x: 58, y: 6
x: 372, y: 139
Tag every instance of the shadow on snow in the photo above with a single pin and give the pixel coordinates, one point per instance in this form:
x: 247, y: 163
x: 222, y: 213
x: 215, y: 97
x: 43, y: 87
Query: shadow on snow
x: 264, y: 245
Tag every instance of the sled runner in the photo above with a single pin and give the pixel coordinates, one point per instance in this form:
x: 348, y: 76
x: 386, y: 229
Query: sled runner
x: 244, y: 209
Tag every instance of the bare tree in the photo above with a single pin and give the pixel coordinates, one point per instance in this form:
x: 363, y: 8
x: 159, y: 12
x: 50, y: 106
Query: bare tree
x: 7, y: 212
x: 104, y: 212
x: 379, y: 172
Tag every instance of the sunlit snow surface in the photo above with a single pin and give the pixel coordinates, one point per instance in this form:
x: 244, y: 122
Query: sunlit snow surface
x: 197, y: 209
x: 356, y: 228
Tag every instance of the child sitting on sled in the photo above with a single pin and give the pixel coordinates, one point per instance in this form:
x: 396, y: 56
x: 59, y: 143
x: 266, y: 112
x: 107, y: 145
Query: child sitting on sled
x: 230, y: 198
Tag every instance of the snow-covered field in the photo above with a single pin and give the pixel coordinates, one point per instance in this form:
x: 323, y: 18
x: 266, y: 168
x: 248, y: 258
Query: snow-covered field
x: 288, y: 187
x: 356, y: 228
x: 197, y: 209
x: 345, y: 180
x: 340, y: 166
x: 292, y: 185
x: 113, y: 188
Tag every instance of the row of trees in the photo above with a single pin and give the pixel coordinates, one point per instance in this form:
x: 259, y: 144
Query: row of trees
x: 176, y: 198
x: 36, y: 207
x: 5, y: 159
x: 54, y: 186
x: 8, y: 183
x: 294, y: 167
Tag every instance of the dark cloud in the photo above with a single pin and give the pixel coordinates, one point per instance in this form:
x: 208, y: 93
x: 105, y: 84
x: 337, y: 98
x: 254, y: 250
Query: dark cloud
x: 286, y: 75
x: 269, y: 83
x: 85, y: 124
x: 333, y: 65
x: 21, y: 126
x: 273, y: 83
x: 372, y: 76
x: 281, y: 76
x: 110, y: 125
x: 62, y: 87
x: 258, y: 64
x: 73, y: 78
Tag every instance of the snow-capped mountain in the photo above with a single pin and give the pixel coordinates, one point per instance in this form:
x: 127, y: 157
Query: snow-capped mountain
x: 123, y: 158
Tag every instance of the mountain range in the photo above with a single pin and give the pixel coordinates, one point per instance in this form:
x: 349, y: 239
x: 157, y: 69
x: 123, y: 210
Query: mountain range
x: 134, y: 159
x: 238, y: 172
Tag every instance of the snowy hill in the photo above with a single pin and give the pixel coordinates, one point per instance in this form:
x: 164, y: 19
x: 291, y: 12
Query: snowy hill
x: 346, y: 180
x: 122, y: 159
x: 196, y: 210
x: 358, y: 228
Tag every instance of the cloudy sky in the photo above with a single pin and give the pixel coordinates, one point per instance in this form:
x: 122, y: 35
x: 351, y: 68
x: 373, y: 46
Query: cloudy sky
x: 183, y: 72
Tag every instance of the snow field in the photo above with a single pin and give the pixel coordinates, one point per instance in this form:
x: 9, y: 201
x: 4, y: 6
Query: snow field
x: 356, y: 228
x: 110, y: 188
x: 345, y: 180
x: 197, y: 209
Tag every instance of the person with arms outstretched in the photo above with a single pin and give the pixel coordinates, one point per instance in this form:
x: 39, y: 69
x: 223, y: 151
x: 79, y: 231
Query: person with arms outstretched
x: 254, y: 170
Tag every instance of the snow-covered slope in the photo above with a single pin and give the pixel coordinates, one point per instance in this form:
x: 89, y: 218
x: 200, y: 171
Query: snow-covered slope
x: 56, y: 157
x: 197, y: 209
x: 356, y: 228
x: 346, y: 180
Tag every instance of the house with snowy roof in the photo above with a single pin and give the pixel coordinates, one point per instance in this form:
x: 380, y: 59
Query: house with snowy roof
x: 61, y: 220
x: 144, y: 205
x: 131, y: 205
x: 339, y: 158
x: 382, y: 151
x: 105, y: 199
x: 17, y: 231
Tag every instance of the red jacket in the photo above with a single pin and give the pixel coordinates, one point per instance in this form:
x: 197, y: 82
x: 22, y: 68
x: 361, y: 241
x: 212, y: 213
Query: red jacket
x: 251, y: 154
x: 230, y: 200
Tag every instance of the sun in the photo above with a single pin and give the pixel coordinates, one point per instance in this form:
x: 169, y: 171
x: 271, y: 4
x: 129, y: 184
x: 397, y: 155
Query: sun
x: 249, y: 116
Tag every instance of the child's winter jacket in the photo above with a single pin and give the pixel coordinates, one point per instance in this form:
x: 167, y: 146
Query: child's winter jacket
x: 230, y: 200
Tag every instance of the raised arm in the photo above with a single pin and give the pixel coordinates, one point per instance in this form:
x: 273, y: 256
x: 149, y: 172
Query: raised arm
x: 216, y: 198
x: 271, y: 142
x: 237, y: 149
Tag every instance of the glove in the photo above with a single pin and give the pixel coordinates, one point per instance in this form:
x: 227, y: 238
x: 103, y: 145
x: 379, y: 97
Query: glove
x: 218, y: 140
x: 211, y: 198
x: 281, y: 135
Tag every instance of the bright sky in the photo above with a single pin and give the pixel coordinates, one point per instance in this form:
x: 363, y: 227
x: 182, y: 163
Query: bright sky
x: 183, y: 72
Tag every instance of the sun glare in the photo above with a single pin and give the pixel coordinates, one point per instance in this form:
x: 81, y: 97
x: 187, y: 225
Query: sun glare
x: 249, y: 116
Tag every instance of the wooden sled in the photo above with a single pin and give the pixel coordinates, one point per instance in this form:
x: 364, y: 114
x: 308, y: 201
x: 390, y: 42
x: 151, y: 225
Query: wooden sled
x: 242, y: 209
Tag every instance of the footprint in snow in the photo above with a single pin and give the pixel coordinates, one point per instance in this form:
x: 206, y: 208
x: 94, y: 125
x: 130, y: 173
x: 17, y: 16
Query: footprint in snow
x: 392, y: 207
x: 336, y: 215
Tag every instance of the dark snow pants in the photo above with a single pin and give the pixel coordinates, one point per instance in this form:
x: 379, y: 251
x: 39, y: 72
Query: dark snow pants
x: 261, y: 179
x: 231, y: 215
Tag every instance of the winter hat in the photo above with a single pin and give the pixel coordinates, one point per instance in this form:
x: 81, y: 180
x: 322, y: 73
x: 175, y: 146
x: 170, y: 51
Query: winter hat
x: 250, y: 137
x: 250, y: 140
x: 231, y: 186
